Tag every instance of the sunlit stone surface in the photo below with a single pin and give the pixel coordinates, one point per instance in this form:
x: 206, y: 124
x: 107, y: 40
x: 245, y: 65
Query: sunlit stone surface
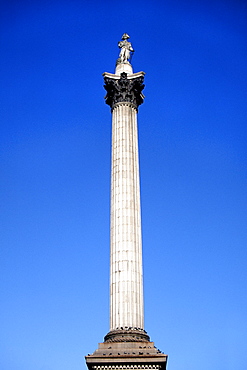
x: 126, y: 287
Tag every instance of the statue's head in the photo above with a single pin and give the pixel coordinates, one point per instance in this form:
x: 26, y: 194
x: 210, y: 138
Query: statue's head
x: 125, y: 36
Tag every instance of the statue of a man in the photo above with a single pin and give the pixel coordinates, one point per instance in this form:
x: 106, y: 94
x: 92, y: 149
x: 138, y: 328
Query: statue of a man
x: 126, y: 48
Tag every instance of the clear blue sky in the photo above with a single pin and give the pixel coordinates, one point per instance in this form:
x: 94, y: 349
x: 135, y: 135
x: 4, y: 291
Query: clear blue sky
x: 55, y: 178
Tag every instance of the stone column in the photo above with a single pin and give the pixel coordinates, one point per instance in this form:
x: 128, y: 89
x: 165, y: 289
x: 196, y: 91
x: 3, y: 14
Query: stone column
x: 126, y: 287
x: 127, y: 346
x: 124, y: 95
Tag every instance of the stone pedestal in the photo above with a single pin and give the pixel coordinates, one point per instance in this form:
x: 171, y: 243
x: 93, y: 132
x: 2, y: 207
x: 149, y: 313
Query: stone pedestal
x: 124, y: 67
x: 126, y: 355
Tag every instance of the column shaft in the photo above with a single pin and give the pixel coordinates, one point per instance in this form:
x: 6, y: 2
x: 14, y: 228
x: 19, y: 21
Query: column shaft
x: 126, y: 285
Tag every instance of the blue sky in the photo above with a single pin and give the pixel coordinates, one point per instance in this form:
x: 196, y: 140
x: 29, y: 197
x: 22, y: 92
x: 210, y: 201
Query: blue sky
x: 55, y: 178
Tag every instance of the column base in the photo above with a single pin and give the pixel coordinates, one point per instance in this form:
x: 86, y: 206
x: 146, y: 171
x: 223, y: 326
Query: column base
x: 127, y: 335
x: 127, y: 349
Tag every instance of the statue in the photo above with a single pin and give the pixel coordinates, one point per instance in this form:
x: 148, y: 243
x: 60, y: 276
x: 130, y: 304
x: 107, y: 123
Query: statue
x: 126, y: 49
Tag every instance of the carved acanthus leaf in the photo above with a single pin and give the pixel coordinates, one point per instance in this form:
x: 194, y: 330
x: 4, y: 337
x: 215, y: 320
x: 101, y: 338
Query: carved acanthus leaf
x: 124, y: 90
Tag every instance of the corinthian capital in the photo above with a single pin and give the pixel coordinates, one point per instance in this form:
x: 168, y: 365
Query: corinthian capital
x: 124, y: 89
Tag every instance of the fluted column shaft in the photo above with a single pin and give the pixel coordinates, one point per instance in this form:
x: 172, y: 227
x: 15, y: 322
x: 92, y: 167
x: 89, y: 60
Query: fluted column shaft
x: 126, y: 282
x: 124, y: 95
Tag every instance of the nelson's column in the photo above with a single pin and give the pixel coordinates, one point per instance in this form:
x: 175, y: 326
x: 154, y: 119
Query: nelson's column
x: 127, y: 345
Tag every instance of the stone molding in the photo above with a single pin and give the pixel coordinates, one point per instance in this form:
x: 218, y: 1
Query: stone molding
x: 126, y: 367
x: 124, y: 89
x: 127, y: 335
x: 126, y: 104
